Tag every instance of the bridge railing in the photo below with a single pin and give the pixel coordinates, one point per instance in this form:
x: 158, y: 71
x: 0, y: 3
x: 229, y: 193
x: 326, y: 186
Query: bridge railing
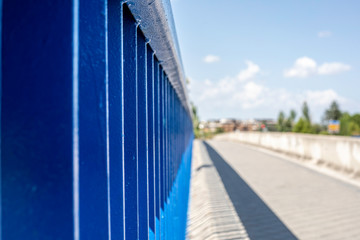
x: 96, y: 130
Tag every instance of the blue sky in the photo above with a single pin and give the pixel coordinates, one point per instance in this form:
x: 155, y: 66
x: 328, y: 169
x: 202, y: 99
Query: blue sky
x: 251, y: 58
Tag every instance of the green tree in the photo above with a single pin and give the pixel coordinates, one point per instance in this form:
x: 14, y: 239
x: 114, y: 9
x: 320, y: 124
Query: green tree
x: 305, y: 112
x: 356, y: 118
x: 299, y: 125
x: 289, y: 124
x: 292, y: 115
x: 345, y: 124
x: 333, y: 113
x: 317, y: 128
x: 195, y: 121
x: 285, y: 124
x: 304, y: 123
x: 354, y: 128
x: 281, y: 121
x: 349, y: 124
x: 302, y: 126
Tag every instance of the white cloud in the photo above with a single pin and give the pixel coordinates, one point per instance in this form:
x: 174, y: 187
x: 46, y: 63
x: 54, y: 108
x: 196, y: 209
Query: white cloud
x: 333, y: 68
x: 322, y: 98
x: 229, y: 97
x: 229, y: 92
x: 211, y: 58
x: 252, y: 91
x: 250, y: 95
x: 324, y: 34
x: 232, y: 97
x: 251, y: 70
x: 305, y: 67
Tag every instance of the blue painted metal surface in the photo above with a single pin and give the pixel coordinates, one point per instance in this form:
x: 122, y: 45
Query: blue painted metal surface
x: 96, y: 130
x: 116, y: 138
x: 93, y: 121
x: 142, y: 139
x: 36, y: 124
x: 130, y: 121
x: 151, y: 140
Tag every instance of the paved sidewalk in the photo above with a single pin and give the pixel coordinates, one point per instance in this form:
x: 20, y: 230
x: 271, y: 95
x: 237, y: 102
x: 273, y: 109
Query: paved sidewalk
x: 277, y: 199
x: 211, y: 213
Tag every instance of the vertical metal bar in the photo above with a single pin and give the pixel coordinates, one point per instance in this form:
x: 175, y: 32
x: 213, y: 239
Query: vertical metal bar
x: 173, y: 191
x: 157, y: 147
x: 151, y: 140
x: 171, y: 162
x: 166, y: 159
x: 115, y: 51
x: 166, y: 156
x: 0, y: 118
x: 167, y: 141
x: 36, y: 120
x: 174, y: 133
x: 170, y: 204
x: 93, y: 121
x: 142, y: 132
x: 162, y: 154
x: 172, y: 128
x: 130, y: 120
x: 75, y: 120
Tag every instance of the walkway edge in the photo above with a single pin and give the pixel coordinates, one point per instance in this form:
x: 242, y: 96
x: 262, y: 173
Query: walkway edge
x: 211, y: 213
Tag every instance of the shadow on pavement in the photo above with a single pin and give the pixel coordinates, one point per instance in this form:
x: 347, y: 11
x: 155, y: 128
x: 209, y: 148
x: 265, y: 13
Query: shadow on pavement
x: 258, y: 219
x: 204, y: 166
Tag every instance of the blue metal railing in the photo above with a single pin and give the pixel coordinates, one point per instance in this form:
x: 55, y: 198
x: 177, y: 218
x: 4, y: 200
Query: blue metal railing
x: 96, y: 130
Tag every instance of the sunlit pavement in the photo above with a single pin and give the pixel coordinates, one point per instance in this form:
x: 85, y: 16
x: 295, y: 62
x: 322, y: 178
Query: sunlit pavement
x: 274, y: 198
x: 211, y: 213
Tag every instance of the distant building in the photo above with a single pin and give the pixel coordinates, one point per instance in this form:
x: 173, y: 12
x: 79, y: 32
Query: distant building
x: 228, y: 125
x: 249, y: 125
x: 231, y: 124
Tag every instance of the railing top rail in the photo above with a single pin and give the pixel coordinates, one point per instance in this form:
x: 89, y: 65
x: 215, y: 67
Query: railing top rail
x: 157, y: 23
